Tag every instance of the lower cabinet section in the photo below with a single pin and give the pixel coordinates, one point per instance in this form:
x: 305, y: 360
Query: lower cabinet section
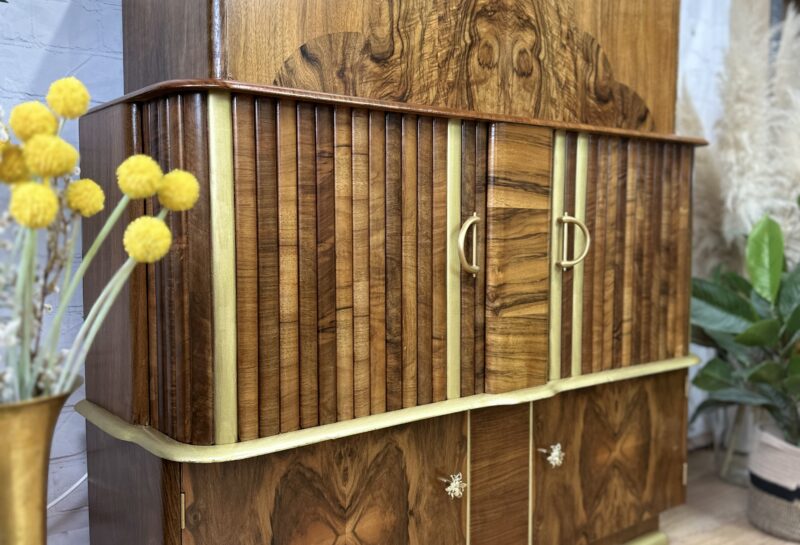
x: 379, y: 488
x: 622, y: 457
x: 624, y: 450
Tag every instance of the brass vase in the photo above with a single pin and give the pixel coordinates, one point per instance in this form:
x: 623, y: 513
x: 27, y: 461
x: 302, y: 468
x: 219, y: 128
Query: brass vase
x: 26, y: 429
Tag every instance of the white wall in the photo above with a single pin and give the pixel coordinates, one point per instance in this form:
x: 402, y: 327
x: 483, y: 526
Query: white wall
x: 40, y: 41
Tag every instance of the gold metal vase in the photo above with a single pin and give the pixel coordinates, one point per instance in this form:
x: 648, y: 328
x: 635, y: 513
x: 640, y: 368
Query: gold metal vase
x: 26, y: 429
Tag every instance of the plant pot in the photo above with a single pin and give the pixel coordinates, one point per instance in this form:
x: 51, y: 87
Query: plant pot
x: 27, y: 431
x: 774, y: 498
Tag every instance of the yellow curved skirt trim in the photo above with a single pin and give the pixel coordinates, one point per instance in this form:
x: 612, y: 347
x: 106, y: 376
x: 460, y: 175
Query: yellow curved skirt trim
x: 654, y: 538
x: 169, y: 449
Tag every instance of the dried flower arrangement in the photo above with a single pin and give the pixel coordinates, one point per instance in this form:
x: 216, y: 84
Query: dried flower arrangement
x: 48, y: 200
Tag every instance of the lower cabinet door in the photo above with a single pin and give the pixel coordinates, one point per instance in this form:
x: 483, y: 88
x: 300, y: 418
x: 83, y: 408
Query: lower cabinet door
x: 623, y: 447
x: 380, y: 488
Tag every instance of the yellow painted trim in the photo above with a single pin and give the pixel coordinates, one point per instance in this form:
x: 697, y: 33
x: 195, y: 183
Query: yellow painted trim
x: 556, y: 241
x: 169, y: 449
x: 581, y: 171
x: 223, y: 265
x: 453, y: 261
x: 469, y: 477
x: 653, y: 538
x: 531, y: 479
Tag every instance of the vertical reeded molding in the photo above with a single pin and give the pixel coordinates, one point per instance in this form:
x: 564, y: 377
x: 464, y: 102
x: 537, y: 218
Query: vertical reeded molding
x: 453, y: 263
x: 579, y: 241
x: 223, y: 265
x: 556, y: 241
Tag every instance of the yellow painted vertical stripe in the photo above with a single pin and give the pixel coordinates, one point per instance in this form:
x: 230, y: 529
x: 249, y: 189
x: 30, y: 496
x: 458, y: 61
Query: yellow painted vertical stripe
x: 579, y: 241
x: 223, y: 265
x: 556, y: 241
x: 453, y: 263
x: 468, y: 479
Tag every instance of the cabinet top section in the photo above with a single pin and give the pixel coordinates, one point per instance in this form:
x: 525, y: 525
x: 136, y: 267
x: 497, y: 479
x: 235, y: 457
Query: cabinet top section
x: 269, y: 91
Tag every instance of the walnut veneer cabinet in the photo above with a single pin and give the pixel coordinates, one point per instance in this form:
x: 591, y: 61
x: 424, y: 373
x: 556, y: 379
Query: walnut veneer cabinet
x: 436, y: 243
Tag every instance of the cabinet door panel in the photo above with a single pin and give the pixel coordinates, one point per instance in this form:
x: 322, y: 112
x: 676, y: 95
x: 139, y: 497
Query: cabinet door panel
x: 623, y: 458
x: 632, y: 303
x: 379, y: 488
x: 517, y: 260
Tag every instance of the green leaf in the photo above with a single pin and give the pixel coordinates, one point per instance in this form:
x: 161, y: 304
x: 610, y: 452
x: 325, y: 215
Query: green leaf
x: 792, y: 385
x: 792, y: 324
x: 735, y: 282
x: 719, y: 308
x: 740, y: 396
x: 726, y: 342
x: 764, y: 256
x: 762, y: 307
x: 769, y: 372
x: 789, y: 296
x: 717, y: 374
x: 761, y: 333
x: 708, y: 405
x: 793, y: 369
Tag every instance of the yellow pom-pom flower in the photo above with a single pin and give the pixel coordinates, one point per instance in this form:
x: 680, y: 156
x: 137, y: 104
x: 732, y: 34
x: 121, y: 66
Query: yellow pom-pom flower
x: 147, y: 239
x: 179, y: 190
x: 33, y: 204
x: 31, y: 118
x: 139, y: 176
x: 49, y: 156
x: 68, y: 97
x: 12, y: 165
x: 85, y: 197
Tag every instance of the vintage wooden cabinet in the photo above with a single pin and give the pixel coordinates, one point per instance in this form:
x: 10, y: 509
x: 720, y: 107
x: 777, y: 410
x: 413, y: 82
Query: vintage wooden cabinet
x: 410, y: 266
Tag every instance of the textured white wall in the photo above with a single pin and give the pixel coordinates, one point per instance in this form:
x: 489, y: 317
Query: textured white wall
x: 40, y: 41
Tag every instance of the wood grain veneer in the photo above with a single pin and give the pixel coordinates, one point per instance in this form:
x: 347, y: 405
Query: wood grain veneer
x: 380, y: 487
x: 517, y: 257
x: 623, y: 462
x: 606, y: 62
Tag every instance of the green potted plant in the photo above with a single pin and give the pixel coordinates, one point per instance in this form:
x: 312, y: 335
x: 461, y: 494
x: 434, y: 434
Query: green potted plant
x: 754, y: 324
x: 38, y: 233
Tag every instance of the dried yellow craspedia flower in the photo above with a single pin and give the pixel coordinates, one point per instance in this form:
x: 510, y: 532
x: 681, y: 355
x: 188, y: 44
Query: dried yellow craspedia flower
x: 139, y: 176
x: 179, y: 190
x: 85, y: 197
x: 33, y: 204
x: 147, y: 239
x: 12, y: 165
x: 49, y: 156
x: 68, y: 97
x: 31, y: 118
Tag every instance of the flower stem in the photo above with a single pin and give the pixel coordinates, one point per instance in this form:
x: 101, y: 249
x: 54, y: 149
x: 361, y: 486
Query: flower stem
x: 69, y: 291
x: 85, y: 338
x: 24, y: 294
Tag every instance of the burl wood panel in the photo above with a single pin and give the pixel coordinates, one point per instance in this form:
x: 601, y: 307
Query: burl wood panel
x: 605, y: 62
x: 134, y: 497
x: 180, y: 313
x: 636, y: 282
x: 499, y: 475
x: 377, y: 488
x: 117, y: 371
x: 517, y: 260
x: 623, y: 461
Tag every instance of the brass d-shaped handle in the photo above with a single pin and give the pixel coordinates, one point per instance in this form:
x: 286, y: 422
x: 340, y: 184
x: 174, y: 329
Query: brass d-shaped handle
x: 471, y: 221
x: 566, y: 263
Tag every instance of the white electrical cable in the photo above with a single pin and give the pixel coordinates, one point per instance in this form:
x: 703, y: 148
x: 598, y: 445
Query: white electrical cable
x: 69, y: 491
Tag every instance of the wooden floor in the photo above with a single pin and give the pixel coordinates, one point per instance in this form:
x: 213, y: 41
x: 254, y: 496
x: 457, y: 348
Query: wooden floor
x: 714, y: 513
